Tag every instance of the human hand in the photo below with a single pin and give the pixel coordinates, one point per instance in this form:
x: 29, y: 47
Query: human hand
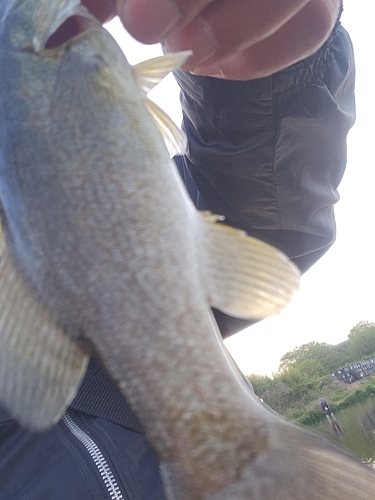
x: 232, y: 39
x: 103, y: 10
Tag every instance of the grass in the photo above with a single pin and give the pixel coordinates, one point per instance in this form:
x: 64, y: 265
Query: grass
x: 338, y: 400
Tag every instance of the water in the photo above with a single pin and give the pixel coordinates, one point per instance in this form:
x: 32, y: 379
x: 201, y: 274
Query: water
x: 358, y: 426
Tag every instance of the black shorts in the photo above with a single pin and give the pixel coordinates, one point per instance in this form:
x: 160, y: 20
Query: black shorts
x: 269, y: 154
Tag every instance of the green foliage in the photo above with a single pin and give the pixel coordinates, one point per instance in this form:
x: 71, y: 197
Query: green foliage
x: 305, y: 373
x: 311, y: 418
x: 339, y: 395
x: 300, y: 353
x: 358, y: 396
x: 260, y: 383
x: 297, y: 414
x: 362, y: 341
x: 325, y: 358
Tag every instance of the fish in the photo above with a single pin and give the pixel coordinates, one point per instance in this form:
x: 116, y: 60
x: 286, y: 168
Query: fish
x: 103, y: 253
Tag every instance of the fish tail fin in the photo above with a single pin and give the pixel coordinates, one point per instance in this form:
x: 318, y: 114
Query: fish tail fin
x: 246, y: 277
x: 341, y: 476
x: 147, y: 75
x: 298, y: 464
x: 295, y: 464
x: 40, y: 367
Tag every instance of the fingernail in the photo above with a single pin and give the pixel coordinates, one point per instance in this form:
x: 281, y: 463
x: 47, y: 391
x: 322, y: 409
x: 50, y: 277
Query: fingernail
x: 197, y: 37
x: 149, y: 22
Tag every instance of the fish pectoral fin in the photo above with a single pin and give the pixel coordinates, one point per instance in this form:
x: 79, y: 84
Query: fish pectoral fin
x: 40, y: 367
x: 246, y: 277
x: 174, y: 138
x: 149, y: 73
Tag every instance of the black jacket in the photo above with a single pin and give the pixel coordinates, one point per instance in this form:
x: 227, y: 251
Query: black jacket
x: 97, y: 451
x: 269, y: 155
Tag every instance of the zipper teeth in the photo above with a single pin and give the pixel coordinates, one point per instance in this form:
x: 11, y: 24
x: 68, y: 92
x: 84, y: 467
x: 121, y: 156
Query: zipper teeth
x: 97, y: 456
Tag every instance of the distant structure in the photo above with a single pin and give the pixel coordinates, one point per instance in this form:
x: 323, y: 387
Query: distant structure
x: 355, y: 371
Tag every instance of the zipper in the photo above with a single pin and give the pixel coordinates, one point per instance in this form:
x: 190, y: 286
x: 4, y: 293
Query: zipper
x: 97, y: 457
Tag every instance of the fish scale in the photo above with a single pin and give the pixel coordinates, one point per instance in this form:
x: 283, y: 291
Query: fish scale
x: 104, y: 252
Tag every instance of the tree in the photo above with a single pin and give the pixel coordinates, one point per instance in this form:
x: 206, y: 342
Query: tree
x: 260, y: 383
x: 325, y: 357
x: 362, y: 341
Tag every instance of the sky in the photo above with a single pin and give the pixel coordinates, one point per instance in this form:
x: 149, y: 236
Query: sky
x: 337, y: 292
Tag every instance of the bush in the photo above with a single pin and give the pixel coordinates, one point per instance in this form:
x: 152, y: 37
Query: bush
x: 311, y: 418
x: 297, y: 414
x: 305, y: 374
x: 362, y: 340
x: 356, y: 397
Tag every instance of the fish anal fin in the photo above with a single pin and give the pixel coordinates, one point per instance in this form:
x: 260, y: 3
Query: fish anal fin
x: 246, y: 277
x: 40, y: 367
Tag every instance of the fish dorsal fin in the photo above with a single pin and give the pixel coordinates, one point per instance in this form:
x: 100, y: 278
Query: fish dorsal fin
x: 40, y: 367
x: 246, y: 277
x: 147, y: 75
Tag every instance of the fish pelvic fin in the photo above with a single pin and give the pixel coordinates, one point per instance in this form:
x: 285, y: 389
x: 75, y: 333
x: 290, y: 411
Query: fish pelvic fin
x: 40, y: 367
x: 147, y: 75
x: 246, y: 277
x: 174, y: 138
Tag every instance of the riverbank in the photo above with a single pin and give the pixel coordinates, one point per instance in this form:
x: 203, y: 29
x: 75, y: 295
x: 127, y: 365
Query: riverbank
x: 340, y: 399
x: 304, y: 375
x: 301, y: 404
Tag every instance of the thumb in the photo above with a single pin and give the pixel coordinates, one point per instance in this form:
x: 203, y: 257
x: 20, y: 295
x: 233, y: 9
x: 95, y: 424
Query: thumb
x: 103, y: 10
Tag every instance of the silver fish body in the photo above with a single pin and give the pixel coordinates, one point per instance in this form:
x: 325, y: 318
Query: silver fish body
x: 102, y: 251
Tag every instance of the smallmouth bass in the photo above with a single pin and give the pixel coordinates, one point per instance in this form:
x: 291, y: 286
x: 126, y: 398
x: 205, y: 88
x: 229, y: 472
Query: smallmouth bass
x: 103, y: 252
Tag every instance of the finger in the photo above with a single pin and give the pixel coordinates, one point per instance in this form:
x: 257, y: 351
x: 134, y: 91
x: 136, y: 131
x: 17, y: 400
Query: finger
x: 299, y: 38
x: 103, y: 10
x: 224, y: 27
x: 150, y: 21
